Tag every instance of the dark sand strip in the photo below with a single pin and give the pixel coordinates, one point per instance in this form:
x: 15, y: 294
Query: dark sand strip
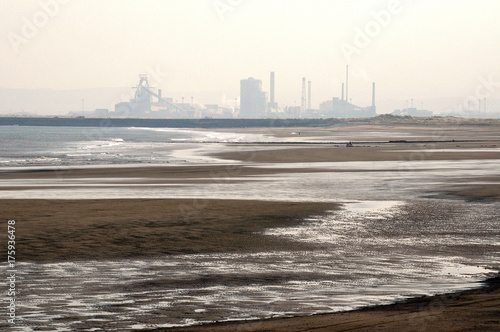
x: 366, y: 152
x: 68, y: 230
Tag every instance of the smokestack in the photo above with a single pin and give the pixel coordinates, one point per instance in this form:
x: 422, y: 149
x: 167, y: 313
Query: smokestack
x: 373, y: 95
x: 347, y: 83
x: 303, y: 103
x: 309, y: 96
x: 342, y: 91
x: 272, y: 88
x: 159, y: 95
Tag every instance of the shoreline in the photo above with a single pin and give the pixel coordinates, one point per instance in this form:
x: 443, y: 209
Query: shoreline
x: 381, y: 120
x: 466, y: 310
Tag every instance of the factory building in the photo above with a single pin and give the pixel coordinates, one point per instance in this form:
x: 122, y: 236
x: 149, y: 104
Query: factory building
x: 253, y: 100
x: 338, y: 108
x: 147, y: 102
x: 341, y: 108
x: 273, y: 105
x: 143, y: 106
x: 412, y: 111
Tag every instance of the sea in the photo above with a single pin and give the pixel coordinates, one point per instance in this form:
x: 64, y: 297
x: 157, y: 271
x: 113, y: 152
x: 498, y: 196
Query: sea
x: 77, y: 146
x: 390, y: 240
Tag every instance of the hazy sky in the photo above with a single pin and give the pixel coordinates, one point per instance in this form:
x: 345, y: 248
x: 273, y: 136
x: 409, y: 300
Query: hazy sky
x: 422, y: 49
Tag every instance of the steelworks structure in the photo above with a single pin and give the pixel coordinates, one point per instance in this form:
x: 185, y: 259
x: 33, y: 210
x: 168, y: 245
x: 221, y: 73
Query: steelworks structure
x: 142, y: 104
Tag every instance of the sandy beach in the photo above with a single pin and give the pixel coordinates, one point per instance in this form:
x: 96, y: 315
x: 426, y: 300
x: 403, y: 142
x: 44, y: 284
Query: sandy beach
x: 62, y: 230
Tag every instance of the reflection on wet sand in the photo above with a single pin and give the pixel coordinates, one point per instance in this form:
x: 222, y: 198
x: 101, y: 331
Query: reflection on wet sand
x: 368, y: 253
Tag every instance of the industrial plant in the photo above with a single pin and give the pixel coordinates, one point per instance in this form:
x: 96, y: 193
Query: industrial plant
x: 142, y: 105
x: 148, y: 102
x: 253, y: 100
x: 254, y: 103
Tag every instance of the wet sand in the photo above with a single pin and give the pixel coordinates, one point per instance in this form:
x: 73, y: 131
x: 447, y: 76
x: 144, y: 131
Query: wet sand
x: 249, y: 160
x: 472, y: 310
x: 68, y: 230
x: 371, y: 152
x: 62, y: 230
x: 374, y: 132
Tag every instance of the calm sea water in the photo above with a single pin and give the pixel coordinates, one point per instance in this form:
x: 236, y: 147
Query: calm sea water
x: 74, y: 146
x: 390, y: 240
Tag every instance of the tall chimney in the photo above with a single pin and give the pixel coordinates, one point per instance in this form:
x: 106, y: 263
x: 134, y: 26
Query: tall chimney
x: 303, y: 103
x: 159, y: 96
x: 309, y: 96
x: 342, y: 91
x: 373, y: 95
x: 347, y: 83
x: 272, y: 88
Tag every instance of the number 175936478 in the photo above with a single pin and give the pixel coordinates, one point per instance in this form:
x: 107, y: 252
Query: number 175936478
x: 11, y: 245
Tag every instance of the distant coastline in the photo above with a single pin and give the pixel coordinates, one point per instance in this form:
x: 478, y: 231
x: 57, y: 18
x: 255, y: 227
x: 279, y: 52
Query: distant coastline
x: 241, y: 123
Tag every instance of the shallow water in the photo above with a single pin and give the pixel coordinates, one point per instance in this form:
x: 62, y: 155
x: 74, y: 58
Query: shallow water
x: 370, y: 252
x: 338, y: 182
x: 71, y: 146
